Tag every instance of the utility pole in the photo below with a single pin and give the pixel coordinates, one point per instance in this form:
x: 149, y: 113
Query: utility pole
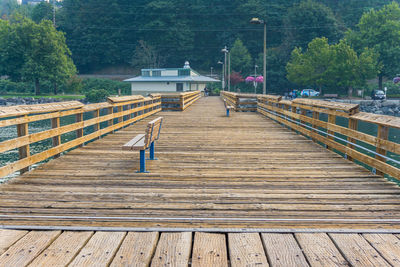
x: 229, y: 71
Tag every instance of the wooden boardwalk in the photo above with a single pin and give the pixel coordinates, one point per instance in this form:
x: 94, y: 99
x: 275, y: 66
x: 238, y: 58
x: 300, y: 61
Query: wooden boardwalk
x: 89, y: 248
x: 213, y: 173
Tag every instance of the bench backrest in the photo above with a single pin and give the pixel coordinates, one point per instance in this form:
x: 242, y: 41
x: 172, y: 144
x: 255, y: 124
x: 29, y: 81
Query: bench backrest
x: 153, y: 131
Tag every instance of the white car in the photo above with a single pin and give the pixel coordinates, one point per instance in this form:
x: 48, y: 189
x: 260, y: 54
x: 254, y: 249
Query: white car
x: 309, y: 92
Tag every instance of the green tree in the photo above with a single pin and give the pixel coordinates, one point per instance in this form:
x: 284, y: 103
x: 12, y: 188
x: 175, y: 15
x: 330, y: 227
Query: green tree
x: 308, y: 20
x: 240, y: 57
x: 380, y: 30
x: 334, y: 66
x: 34, y: 52
x: 41, y: 11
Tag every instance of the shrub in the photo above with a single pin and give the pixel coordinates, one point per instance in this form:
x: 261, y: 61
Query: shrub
x: 110, y: 86
x: 95, y: 96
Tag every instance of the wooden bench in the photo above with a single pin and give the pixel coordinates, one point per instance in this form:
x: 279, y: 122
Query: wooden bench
x: 144, y: 141
x: 227, y: 107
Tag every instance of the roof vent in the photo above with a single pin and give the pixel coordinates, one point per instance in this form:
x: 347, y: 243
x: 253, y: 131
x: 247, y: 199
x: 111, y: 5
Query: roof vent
x: 187, y: 66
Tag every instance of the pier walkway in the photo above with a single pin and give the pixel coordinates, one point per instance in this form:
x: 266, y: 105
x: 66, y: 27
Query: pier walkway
x: 240, y: 189
x: 213, y: 172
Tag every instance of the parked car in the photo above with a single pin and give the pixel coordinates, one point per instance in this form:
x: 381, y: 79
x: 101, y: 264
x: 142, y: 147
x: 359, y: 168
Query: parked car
x: 309, y: 92
x: 378, y: 95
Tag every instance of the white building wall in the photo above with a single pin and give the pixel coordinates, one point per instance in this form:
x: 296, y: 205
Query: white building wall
x: 160, y: 87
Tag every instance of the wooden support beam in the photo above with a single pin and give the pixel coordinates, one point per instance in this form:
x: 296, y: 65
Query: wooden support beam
x: 332, y: 120
x: 24, y: 151
x: 56, y: 140
x: 79, y: 132
x: 383, y: 133
x: 353, y: 125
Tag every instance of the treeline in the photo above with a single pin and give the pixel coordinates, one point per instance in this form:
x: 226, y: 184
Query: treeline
x: 165, y: 33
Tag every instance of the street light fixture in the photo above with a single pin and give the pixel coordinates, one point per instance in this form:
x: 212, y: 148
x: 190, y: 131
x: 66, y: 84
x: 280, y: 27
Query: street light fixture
x: 261, y: 21
x: 222, y: 80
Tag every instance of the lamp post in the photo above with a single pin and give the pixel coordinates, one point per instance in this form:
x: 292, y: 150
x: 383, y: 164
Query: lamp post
x: 262, y: 21
x: 211, y: 72
x: 226, y: 76
x: 223, y: 70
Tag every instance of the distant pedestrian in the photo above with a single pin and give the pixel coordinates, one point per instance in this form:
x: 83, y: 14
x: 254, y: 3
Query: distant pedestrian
x: 205, y: 91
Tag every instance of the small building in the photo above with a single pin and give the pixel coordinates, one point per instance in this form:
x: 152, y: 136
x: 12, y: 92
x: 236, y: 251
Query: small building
x: 169, y: 80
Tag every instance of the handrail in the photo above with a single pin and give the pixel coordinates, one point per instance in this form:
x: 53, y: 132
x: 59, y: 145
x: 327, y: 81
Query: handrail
x: 241, y: 102
x: 179, y: 101
x: 294, y: 115
x: 120, y: 112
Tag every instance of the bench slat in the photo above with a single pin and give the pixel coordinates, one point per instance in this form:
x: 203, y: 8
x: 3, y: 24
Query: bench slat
x: 134, y: 141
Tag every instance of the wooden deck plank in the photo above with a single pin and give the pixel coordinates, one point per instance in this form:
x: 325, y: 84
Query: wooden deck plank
x: 283, y: 250
x: 246, y: 249
x: 100, y: 249
x: 320, y: 250
x: 357, y: 251
x: 28, y: 248
x: 387, y: 245
x: 205, y: 169
x: 136, y: 250
x: 9, y: 237
x: 209, y: 249
x: 63, y: 250
x: 173, y: 249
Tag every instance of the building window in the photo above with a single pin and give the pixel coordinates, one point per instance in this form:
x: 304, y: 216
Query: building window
x: 179, y: 87
x: 184, y: 72
x: 145, y: 73
x: 156, y: 73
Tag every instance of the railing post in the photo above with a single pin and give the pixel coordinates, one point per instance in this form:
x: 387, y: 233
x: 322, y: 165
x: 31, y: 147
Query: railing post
x: 331, y: 120
x: 96, y: 114
x: 181, y: 102
x: 383, y: 133
x: 353, y: 125
x: 110, y: 111
x: 24, y: 151
x: 79, y: 132
x: 119, y: 110
x: 55, y: 123
x: 315, y: 115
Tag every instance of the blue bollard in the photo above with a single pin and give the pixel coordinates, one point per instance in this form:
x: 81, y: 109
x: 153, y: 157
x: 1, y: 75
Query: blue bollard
x: 227, y: 112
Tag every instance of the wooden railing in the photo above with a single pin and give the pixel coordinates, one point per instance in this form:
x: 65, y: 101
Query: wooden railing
x: 241, y: 102
x: 105, y: 117
x: 179, y: 101
x: 304, y: 116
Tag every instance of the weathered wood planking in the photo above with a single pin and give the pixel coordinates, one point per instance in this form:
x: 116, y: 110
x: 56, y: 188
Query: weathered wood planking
x: 357, y: 251
x: 63, y: 250
x: 173, y: 249
x: 136, y: 250
x: 387, y: 245
x: 246, y: 249
x: 283, y: 250
x: 9, y: 237
x: 28, y: 248
x: 100, y: 249
x: 209, y: 249
x: 320, y: 250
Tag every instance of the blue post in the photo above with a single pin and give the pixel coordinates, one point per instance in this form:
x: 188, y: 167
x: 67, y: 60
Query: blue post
x: 142, y: 161
x: 227, y: 112
x: 152, y: 151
